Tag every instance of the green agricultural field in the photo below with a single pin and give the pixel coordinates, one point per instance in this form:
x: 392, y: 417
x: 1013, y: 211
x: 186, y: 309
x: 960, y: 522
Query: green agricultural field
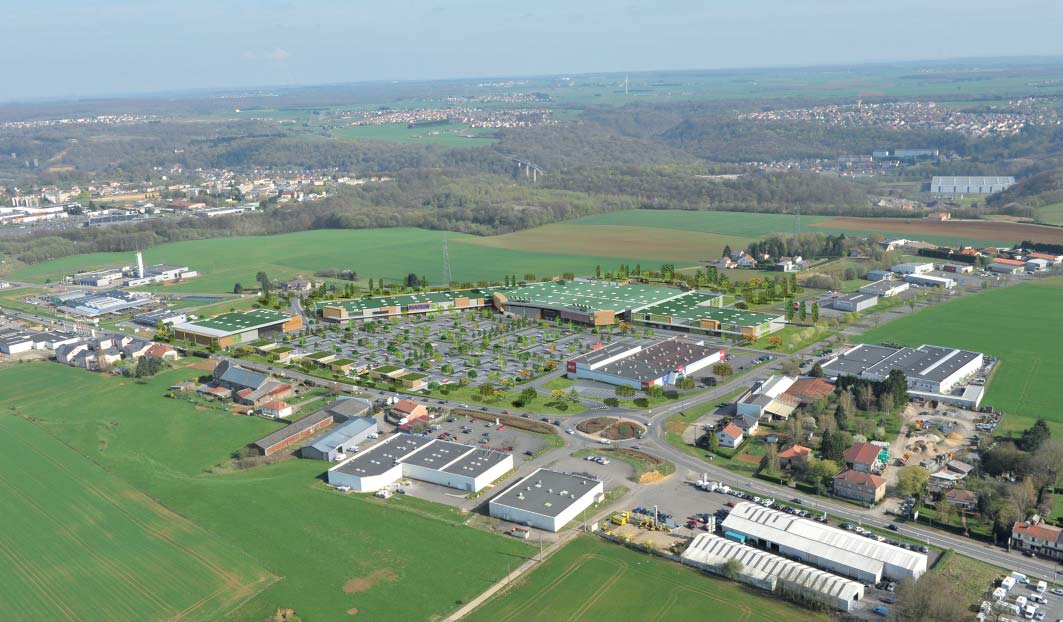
x: 335, y: 555
x: 591, y: 580
x: 390, y: 254
x: 79, y: 543
x: 1019, y: 325
x: 742, y: 224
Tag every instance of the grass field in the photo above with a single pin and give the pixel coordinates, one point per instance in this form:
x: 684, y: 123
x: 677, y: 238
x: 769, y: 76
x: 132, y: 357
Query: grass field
x: 336, y: 555
x: 1019, y: 325
x: 79, y: 543
x: 741, y: 224
x: 953, y: 232
x: 373, y: 253
x: 649, y: 244
x: 591, y: 580
x: 1051, y: 214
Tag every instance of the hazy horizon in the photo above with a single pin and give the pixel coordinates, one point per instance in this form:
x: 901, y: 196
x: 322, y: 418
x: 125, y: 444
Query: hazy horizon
x: 124, y: 48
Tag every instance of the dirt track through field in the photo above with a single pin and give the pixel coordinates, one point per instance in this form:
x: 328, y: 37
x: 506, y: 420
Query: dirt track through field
x: 973, y: 229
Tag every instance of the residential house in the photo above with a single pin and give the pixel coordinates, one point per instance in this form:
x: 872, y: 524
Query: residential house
x: 863, y: 457
x: 962, y: 499
x: 939, y: 216
x: 730, y: 436
x: 743, y: 260
x: 809, y: 390
x: 277, y: 409
x: 299, y: 285
x: 749, y: 424
x: 860, y: 486
x: 407, y: 413
x: 1038, y: 538
x: 793, y: 456
x: 725, y: 263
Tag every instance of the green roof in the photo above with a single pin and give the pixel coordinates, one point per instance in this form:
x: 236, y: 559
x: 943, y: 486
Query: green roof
x: 238, y: 321
x: 413, y: 376
x: 318, y: 355
x: 342, y: 362
x: 386, y: 369
x: 688, y: 308
x: 590, y: 295
x: 282, y: 349
x: 405, y: 300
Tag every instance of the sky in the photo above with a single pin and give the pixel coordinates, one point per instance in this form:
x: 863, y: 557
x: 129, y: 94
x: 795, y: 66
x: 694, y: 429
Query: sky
x: 82, y: 48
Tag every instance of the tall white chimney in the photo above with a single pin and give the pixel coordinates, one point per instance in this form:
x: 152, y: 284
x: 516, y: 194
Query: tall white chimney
x: 140, y: 265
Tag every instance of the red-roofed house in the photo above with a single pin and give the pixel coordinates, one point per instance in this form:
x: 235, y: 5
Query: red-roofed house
x: 277, y: 409
x: 963, y: 499
x: 160, y: 351
x: 407, y: 413
x: 730, y: 436
x: 862, y: 457
x: 938, y: 216
x: 794, y: 455
x: 1038, y: 538
x: 1049, y: 257
x: 860, y: 486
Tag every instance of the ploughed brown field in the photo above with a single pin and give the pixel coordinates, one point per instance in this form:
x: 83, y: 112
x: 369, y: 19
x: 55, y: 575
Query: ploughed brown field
x: 986, y: 230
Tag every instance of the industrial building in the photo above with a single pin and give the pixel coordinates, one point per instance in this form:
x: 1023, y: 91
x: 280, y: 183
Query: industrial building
x: 854, y: 303
x: 878, y: 275
x: 700, y: 312
x: 17, y: 341
x: 960, y: 186
x: 932, y: 372
x: 294, y: 432
x: 546, y: 500
x: 168, y: 317
x: 639, y: 367
x: 132, y: 276
x: 768, y: 398
x: 823, y: 546
x: 93, y: 305
x: 341, y: 441
x: 912, y: 268
x: 773, y: 573
x: 99, y: 278
x: 597, y: 303
x: 929, y: 280
x: 239, y: 327
x: 435, y: 461
x: 885, y: 288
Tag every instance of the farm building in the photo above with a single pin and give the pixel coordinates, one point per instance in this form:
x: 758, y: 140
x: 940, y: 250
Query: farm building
x: 445, y: 463
x: 931, y: 371
x: 855, y: 302
x: 294, y: 432
x: 928, y: 280
x: 885, y: 288
x: 829, y: 548
x: 960, y: 186
x: 768, y: 398
x: 773, y: 573
x: 633, y: 365
x: 342, y: 440
x: 546, y: 500
x: 232, y: 329
x: 249, y: 387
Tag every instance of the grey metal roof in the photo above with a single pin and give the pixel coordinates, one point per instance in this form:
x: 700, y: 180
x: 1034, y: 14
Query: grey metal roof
x: 12, y: 337
x: 711, y: 550
x: 932, y: 363
x: 475, y: 462
x: 437, y: 454
x: 856, y: 298
x: 350, y: 407
x: 823, y: 541
x: 976, y: 185
x: 342, y: 434
x: 236, y: 375
x: 605, y: 352
x: 547, y: 493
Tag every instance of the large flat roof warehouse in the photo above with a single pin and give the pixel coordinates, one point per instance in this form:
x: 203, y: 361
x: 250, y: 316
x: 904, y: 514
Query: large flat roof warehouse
x: 970, y: 185
x: 236, y: 322
x: 930, y: 363
x: 382, y: 457
x: 590, y: 295
x: 651, y: 362
x: 547, y: 493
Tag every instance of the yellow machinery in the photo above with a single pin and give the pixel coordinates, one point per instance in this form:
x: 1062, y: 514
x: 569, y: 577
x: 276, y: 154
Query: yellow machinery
x: 621, y: 518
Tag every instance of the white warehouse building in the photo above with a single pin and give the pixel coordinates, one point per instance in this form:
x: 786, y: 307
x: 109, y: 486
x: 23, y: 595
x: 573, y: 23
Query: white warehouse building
x: 928, y: 369
x: 912, y: 268
x: 430, y: 460
x: 773, y: 573
x: 929, y: 280
x: 546, y: 500
x: 829, y: 548
x: 640, y: 367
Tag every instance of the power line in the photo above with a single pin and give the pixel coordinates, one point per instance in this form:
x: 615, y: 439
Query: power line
x: 446, y: 261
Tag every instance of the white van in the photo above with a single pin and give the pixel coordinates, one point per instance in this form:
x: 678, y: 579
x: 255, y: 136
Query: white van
x: 1029, y: 611
x: 1019, y: 577
x: 1042, y: 586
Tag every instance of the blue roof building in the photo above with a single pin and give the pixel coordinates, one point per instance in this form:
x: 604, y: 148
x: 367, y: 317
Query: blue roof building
x: 341, y: 440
